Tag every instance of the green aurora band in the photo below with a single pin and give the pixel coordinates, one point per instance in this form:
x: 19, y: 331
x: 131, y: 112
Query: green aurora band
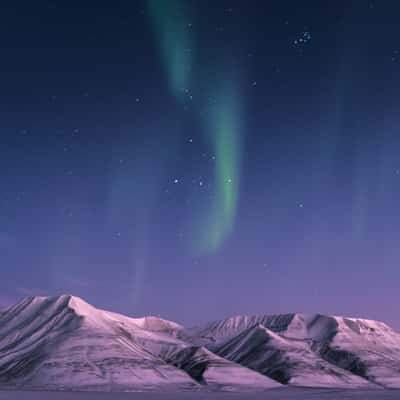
x: 223, y: 124
x: 174, y: 36
x: 169, y: 20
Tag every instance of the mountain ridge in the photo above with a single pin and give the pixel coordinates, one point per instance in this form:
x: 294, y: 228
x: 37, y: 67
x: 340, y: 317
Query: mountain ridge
x: 63, y: 342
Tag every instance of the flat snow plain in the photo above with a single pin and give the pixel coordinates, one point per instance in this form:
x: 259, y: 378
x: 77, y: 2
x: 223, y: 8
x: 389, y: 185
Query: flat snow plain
x: 273, y: 394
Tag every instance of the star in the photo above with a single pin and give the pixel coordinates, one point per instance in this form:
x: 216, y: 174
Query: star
x: 303, y: 39
x: 176, y: 181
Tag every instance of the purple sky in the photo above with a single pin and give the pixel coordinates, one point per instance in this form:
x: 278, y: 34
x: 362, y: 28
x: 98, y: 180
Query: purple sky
x: 148, y: 189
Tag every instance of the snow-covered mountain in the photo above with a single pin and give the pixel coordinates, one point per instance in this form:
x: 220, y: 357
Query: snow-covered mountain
x: 305, y: 349
x: 290, y: 361
x: 65, y: 343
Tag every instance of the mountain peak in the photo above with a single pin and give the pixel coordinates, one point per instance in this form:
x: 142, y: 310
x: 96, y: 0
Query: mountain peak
x: 59, y: 302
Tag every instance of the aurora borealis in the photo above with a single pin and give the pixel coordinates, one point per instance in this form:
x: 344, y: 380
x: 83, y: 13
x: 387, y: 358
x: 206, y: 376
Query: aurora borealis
x: 172, y: 32
x: 222, y: 118
x: 193, y: 158
x: 223, y: 125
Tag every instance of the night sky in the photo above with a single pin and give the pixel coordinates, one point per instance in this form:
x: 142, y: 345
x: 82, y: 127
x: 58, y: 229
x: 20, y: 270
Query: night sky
x: 201, y: 159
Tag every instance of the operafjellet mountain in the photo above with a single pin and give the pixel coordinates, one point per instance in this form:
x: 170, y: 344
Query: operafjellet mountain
x: 64, y: 343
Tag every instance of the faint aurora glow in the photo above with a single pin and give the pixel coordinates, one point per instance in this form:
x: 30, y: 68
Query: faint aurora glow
x: 169, y: 20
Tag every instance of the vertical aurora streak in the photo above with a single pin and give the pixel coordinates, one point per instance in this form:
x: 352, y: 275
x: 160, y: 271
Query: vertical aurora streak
x: 223, y: 123
x: 172, y: 33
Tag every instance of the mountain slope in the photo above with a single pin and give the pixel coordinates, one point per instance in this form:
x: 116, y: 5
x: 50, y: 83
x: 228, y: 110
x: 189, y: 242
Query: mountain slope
x: 289, y: 361
x: 65, y: 342
x: 368, y: 349
x: 206, y: 367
